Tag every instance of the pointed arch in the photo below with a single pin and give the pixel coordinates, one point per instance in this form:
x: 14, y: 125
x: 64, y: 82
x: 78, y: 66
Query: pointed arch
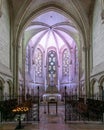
x: 92, y: 82
x: 101, y: 87
x: 101, y: 80
x: 10, y: 84
x: 1, y: 87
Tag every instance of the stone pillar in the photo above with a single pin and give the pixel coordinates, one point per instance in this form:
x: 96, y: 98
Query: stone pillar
x: 87, y: 71
x: 23, y: 65
x: 15, y: 70
x: 0, y: 8
x: 86, y: 88
x: 45, y: 77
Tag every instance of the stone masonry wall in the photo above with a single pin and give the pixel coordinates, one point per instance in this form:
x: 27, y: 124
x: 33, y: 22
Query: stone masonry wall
x: 5, y: 35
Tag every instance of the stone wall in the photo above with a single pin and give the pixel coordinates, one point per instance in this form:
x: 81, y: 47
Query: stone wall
x: 97, y: 72
x: 5, y: 35
x: 6, y: 78
x: 98, y: 35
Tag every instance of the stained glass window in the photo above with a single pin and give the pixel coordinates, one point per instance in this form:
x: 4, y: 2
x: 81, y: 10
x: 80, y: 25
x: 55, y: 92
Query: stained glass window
x: 65, y: 63
x: 38, y: 63
x: 52, y: 63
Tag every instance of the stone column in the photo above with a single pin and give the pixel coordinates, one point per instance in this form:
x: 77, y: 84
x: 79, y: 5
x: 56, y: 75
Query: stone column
x: 87, y: 71
x: 23, y: 65
x: 86, y: 88
x: 45, y: 78
x: 0, y: 8
x: 15, y: 70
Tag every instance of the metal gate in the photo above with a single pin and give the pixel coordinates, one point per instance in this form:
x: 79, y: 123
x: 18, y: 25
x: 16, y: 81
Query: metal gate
x: 83, y: 108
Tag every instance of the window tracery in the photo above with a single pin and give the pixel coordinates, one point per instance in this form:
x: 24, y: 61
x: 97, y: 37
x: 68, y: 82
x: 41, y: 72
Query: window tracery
x: 38, y: 63
x: 65, y: 63
x: 52, y: 63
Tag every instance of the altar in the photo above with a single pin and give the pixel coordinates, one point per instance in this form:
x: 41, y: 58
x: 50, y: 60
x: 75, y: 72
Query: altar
x: 51, y: 97
x: 54, y: 103
x: 52, y: 94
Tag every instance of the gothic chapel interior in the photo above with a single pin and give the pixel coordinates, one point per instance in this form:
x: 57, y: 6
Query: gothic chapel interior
x: 51, y: 48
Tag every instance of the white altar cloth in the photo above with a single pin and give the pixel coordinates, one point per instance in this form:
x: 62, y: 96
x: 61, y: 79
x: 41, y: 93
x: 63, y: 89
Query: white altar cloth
x: 48, y: 96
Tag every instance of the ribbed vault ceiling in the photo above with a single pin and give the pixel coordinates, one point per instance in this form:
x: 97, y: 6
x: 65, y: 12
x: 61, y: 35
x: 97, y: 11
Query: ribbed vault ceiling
x: 53, y: 30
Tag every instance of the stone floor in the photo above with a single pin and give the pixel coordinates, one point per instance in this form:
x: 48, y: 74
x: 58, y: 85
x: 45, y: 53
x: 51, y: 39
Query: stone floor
x: 53, y: 121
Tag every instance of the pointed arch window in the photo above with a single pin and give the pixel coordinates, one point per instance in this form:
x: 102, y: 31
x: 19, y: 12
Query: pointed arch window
x: 65, y: 63
x: 38, y: 63
x: 52, y: 63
